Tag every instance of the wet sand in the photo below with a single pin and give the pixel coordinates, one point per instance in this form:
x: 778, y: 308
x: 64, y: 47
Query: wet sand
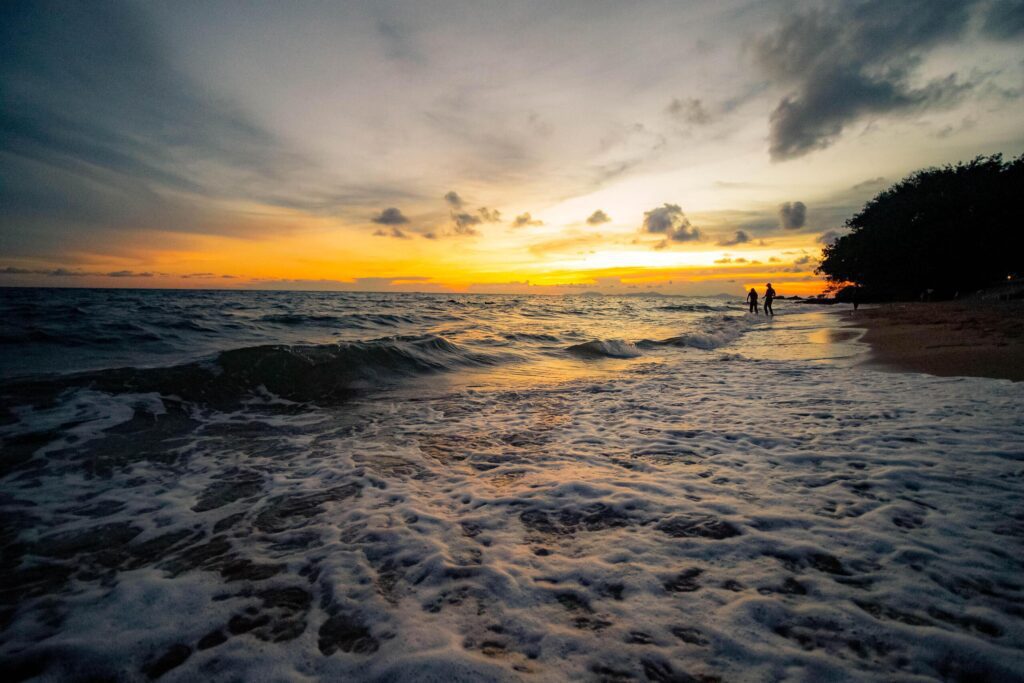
x: 946, y: 339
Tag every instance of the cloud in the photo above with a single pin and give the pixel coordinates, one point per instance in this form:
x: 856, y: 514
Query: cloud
x: 870, y: 184
x: 525, y: 219
x: 690, y: 111
x: 741, y: 237
x: 489, y: 215
x: 128, y: 273
x: 395, y: 231
x: 670, y: 221
x: 464, y: 223
x: 855, y: 60
x: 1004, y: 19
x: 68, y: 272
x: 454, y: 200
x: 101, y: 131
x: 566, y: 245
x: 598, y: 217
x: 723, y: 260
x: 792, y: 215
x: 828, y: 237
x: 390, y: 216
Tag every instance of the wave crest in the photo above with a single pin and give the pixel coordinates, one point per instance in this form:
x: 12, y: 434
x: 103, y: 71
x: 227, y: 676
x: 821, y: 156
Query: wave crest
x: 606, y: 348
x: 302, y: 373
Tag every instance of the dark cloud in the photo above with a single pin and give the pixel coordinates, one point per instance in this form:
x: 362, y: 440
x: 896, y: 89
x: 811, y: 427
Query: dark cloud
x: 690, y: 111
x: 1004, y: 19
x: 68, y: 272
x: 854, y: 60
x: 598, y: 217
x: 454, y: 200
x: 464, y: 223
x: 793, y: 215
x: 128, y: 273
x: 489, y: 215
x: 670, y: 221
x: 525, y: 219
x: 741, y: 237
x: 390, y: 216
x: 99, y: 130
x: 394, y: 231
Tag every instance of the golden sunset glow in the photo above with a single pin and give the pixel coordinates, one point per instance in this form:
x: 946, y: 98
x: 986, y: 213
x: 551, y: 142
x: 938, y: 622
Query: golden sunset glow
x: 227, y: 163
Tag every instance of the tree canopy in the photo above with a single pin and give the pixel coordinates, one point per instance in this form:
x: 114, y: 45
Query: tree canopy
x: 950, y: 229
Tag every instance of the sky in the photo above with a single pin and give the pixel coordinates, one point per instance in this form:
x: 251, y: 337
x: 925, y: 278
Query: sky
x: 550, y: 147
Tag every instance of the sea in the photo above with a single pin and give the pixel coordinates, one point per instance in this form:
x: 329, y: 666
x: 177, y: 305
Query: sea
x: 295, y: 486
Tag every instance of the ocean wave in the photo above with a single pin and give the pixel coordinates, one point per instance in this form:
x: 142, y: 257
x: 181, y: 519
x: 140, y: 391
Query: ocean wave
x: 690, y: 308
x: 301, y: 373
x: 607, y: 348
x: 350, y: 320
x: 298, y: 319
x: 714, y: 333
x: 531, y: 337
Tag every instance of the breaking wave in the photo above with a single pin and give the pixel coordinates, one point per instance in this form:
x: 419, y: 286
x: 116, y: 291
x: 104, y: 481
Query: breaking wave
x: 302, y: 373
x: 713, y: 333
x: 607, y: 348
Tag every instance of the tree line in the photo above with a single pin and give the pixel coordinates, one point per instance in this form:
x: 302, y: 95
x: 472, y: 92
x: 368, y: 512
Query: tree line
x: 943, y: 231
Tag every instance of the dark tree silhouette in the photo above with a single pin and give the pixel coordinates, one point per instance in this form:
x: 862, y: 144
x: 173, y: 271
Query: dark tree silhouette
x: 950, y: 229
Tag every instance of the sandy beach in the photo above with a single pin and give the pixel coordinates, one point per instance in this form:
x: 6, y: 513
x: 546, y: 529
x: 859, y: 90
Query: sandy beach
x: 946, y: 339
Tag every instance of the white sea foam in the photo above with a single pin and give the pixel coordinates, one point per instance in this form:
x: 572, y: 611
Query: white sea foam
x: 748, y: 520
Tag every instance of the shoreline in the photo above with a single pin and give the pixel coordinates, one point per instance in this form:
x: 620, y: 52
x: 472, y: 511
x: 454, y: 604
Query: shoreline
x: 971, y: 338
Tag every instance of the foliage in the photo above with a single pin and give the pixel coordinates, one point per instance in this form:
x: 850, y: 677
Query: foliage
x: 953, y: 230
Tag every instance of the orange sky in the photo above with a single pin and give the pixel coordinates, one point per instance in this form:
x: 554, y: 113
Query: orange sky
x: 684, y: 147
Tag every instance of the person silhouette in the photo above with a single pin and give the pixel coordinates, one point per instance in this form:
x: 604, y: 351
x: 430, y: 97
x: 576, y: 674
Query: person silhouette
x: 769, y: 296
x: 752, y: 300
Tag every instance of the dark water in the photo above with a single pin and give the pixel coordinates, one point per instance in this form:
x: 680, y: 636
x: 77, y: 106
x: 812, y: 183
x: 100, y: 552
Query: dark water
x: 224, y: 486
x: 329, y: 343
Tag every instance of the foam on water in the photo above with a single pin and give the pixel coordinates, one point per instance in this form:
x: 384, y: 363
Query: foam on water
x: 710, y: 511
x: 747, y: 520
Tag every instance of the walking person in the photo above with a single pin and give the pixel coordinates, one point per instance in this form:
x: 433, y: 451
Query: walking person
x: 752, y: 300
x: 769, y: 296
